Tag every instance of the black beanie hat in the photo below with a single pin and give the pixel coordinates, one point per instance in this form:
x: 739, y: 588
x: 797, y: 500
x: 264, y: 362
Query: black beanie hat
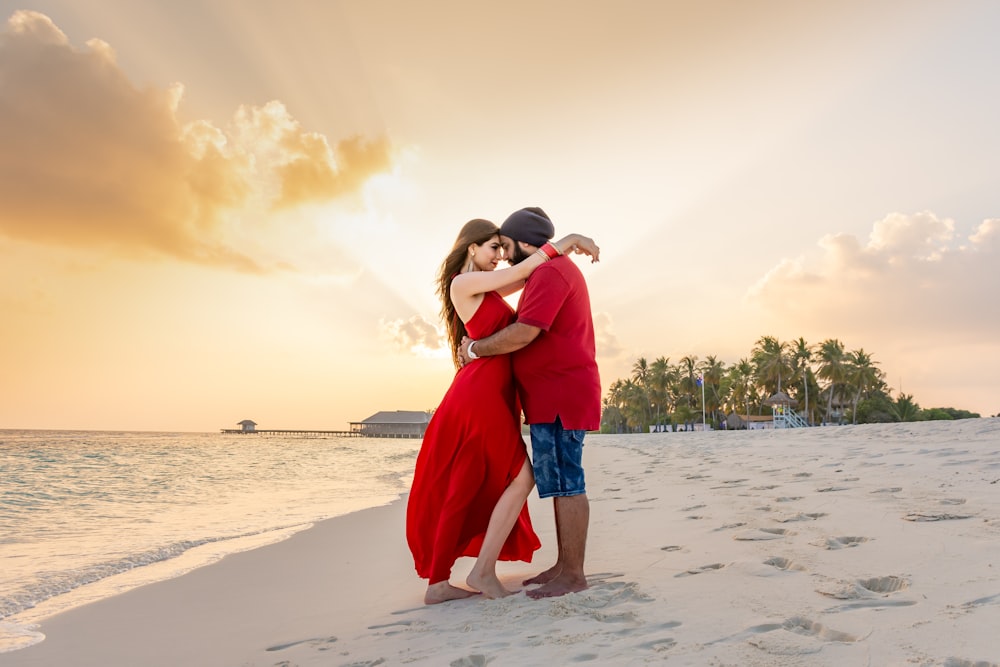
x: 530, y: 225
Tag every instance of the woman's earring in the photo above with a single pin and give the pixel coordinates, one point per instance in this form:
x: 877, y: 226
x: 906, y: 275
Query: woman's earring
x: 472, y: 265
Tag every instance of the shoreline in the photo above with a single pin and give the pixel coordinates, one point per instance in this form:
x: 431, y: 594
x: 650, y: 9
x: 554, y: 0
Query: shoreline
x: 872, y: 544
x: 212, y: 614
x: 80, y: 530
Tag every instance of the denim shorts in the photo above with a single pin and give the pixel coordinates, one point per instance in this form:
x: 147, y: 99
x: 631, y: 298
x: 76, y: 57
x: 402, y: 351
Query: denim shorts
x: 557, y: 459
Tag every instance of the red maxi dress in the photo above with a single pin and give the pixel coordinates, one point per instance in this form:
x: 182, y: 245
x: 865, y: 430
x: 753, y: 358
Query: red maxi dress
x: 471, y: 451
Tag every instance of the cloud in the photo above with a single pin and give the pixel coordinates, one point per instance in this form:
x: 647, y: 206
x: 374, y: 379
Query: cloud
x: 415, y: 335
x: 607, y: 343
x: 316, y: 172
x: 87, y: 159
x: 914, y: 277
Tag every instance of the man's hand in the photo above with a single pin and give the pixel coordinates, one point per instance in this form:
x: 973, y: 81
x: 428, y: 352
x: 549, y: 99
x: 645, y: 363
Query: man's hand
x: 463, y: 351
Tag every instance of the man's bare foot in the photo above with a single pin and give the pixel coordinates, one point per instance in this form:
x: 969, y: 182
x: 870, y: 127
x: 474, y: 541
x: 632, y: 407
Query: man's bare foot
x: 443, y: 591
x: 544, y: 577
x: 564, y: 583
x: 488, y: 585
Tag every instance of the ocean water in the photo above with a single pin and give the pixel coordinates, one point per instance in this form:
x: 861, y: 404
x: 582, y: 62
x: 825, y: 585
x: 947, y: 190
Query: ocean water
x: 85, y: 515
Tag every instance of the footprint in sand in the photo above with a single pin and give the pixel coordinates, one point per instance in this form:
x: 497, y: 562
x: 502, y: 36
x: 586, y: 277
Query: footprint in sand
x: 475, y: 660
x: 692, y: 508
x: 830, y: 489
x: 889, y: 489
x: 659, y: 645
x: 931, y: 516
x: 762, y: 534
x: 868, y: 593
x: 730, y: 526
x: 699, y: 570
x: 613, y: 602
x: 798, y: 625
x: 978, y: 602
x: 803, y: 626
x: 787, y: 499
x: 961, y: 662
x: 882, y: 585
x: 841, y: 542
x: 808, y: 516
x: 672, y: 547
x: 783, y: 563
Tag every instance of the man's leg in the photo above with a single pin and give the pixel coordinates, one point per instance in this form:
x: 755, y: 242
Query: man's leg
x: 572, y: 520
x: 557, y: 458
x: 549, y: 574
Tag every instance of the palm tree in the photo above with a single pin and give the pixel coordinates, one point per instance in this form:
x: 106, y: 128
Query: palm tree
x: 612, y: 419
x: 802, y: 355
x: 905, y: 409
x: 863, y: 375
x: 614, y: 407
x: 742, y: 386
x: 833, y: 369
x: 663, y: 379
x: 771, y: 362
x: 634, y: 405
x: 687, y: 385
x: 641, y: 375
x: 712, y: 371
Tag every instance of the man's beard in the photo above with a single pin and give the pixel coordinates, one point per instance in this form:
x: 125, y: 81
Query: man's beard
x: 519, y: 255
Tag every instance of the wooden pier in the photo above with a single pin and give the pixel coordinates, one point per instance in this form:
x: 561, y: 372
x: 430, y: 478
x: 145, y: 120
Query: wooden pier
x: 316, y: 434
x: 398, y: 424
x: 238, y: 431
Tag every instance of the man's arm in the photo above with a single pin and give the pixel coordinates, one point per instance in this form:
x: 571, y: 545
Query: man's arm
x: 509, y: 339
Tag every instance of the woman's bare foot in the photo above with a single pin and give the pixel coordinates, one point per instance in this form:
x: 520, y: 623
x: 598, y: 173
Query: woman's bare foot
x: 561, y: 585
x: 488, y: 585
x: 443, y: 591
x: 544, y: 577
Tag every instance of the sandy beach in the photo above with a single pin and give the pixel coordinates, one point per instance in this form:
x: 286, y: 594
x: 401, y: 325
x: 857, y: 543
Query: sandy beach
x: 866, y: 545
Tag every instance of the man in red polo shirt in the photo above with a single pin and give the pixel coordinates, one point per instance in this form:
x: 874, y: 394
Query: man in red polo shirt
x: 555, y: 368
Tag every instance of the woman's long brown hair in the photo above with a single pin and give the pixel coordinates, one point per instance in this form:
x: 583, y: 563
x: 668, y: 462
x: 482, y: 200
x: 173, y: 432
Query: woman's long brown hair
x: 476, y: 231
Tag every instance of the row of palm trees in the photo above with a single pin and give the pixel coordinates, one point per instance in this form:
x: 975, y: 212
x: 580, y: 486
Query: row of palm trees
x: 828, y: 382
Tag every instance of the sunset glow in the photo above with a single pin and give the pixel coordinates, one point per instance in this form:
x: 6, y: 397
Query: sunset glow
x: 218, y: 211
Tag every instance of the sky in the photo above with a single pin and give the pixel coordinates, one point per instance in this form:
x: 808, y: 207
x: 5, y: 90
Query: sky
x: 236, y: 209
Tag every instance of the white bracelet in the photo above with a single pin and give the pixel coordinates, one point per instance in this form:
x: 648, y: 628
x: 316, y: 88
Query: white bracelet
x: 468, y: 350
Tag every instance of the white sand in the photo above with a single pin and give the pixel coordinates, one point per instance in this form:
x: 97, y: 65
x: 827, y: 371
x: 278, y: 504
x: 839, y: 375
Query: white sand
x: 869, y: 545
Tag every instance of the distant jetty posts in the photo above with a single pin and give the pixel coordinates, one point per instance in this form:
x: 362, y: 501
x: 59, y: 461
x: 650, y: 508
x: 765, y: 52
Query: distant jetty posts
x: 385, y: 424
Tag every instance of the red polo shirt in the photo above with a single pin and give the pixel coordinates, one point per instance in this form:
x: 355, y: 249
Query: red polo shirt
x: 557, y: 373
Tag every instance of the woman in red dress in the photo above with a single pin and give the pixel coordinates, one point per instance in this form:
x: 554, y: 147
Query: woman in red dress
x: 473, y: 476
